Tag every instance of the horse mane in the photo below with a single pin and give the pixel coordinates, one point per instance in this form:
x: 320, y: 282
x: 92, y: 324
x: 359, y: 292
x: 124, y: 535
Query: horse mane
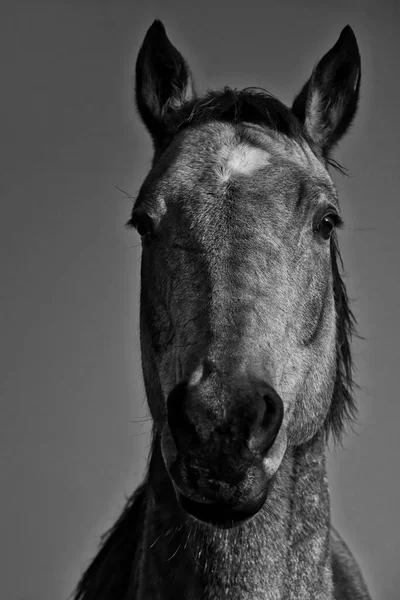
x: 343, y: 407
x: 110, y: 574
x: 251, y: 105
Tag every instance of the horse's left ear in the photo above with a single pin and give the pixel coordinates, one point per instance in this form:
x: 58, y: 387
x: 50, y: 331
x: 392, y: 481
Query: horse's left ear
x: 327, y: 103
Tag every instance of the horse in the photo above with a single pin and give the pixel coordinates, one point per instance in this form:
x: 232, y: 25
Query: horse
x: 245, y: 332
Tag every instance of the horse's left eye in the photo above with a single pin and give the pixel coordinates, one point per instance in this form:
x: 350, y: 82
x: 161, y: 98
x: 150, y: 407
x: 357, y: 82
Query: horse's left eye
x: 326, y: 226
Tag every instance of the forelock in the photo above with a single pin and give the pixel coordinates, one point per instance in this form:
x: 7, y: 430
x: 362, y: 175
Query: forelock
x: 250, y: 105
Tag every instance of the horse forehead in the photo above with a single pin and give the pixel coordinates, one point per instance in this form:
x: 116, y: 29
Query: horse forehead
x: 229, y: 151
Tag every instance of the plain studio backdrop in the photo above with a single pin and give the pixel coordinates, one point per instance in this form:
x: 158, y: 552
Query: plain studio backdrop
x: 74, y: 435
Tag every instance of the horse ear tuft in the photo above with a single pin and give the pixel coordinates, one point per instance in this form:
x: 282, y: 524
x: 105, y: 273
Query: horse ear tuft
x: 328, y: 101
x: 163, y: 80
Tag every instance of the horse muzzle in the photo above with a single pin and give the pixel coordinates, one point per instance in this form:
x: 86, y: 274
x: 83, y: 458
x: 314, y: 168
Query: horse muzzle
x: 222, y: 446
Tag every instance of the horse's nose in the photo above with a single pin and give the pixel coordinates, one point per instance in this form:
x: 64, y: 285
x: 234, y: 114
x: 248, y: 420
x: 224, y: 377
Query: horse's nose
x: 245, y: 416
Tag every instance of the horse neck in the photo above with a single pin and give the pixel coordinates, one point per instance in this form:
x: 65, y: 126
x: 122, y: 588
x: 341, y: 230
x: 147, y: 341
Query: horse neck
x: 283, y: 553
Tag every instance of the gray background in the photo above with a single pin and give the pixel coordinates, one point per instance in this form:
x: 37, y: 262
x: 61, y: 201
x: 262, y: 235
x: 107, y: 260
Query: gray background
x: 70, y: 448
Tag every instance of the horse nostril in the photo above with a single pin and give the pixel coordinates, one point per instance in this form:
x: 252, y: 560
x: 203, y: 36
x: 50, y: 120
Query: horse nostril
x: 263, y: 436
x: 182, y: 429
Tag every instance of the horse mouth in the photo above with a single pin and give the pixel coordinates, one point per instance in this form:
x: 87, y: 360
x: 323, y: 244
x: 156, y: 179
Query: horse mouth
x: 221, y: 514
x: 216, y: 496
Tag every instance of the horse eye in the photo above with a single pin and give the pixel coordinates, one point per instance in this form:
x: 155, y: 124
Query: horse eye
x: 142, y: 222
x: 326, y: 226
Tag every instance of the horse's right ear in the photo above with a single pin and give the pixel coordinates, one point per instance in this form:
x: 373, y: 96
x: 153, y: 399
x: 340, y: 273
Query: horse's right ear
x: 163, y: 81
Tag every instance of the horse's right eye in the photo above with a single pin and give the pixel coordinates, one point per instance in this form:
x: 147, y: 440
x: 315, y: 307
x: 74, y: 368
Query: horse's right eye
x: 142, y: 222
